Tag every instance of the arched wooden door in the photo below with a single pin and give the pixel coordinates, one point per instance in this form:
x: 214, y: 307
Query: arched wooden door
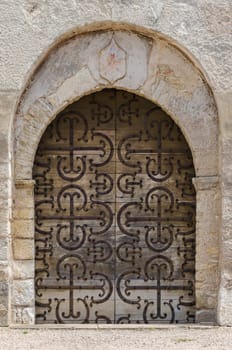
x: 115, y: 215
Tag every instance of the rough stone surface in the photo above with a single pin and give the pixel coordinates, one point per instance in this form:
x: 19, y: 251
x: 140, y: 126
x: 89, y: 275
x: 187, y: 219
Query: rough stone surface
x: 3, y: 289
x: 23, y: 249
x: 165, y: 76
x: 22, y: 295
x: 3, y: 270
x: 159, y: 338
x: 3, y: 248
x: 23, y: 315
x: 202, y: 30
x: 3, y: 311
x: 23, y: 269
x: 154, y: 68
x: 23, y: 228
x: 112, y: 62
x: 194, y: 24
x: 3, y: 301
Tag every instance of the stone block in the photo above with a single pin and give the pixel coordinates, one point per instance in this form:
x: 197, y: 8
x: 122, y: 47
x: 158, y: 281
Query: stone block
x: 4, y: 222
x: 7, y: 105
x: 3, y: 311
x: 3, y: 248
x: 23, y: 228
x: 4, y: 147
x: 4, y: 193
x: 5, y: 170
x: 207, y: 316
x: 137, y: 50
x: 202, y: 272
x: 227, y: 208
x: 206, y: 295
x: 23, y: 315
x: 205, y: 162
x: 24, y: 198
x: 23, y: 292
x: 23, y: 269
x: 23, y: 249
x: 4, y: 272
x: 224, y: 104
x: 112, y: 62
x: 23, y: 212
x: 225, y: 306
x: 73, y: 87
x: 3, y: 314
x: 3, y: 289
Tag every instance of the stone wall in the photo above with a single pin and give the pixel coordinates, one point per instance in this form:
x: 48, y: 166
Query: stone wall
x: 198, y: 34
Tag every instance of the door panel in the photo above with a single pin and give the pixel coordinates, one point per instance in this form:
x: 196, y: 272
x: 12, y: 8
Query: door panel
x: 115, y: 215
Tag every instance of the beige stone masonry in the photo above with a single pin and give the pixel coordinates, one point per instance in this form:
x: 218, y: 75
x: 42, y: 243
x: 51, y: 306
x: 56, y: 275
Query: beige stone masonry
x: 7, y: 105
x: 22, y: 291
x: 150, y: 67
x: 23, y: 220
x: 165, y: 42
x: 207, y: 247
x: 23, y: 249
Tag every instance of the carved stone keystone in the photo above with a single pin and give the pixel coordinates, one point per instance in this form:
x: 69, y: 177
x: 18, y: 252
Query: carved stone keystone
x: 112, y: 62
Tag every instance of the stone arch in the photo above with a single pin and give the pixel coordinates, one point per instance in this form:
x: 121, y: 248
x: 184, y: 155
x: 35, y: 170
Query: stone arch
x: 145, y: 65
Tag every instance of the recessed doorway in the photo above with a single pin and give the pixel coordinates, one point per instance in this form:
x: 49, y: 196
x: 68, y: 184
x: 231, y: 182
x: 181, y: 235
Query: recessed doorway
x: 114, y: 215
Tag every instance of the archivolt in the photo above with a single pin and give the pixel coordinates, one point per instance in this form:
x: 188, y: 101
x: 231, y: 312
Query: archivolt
x: 149, y: 67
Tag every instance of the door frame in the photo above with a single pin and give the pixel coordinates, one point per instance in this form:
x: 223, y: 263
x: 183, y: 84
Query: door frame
x: 115, y: 115
x: 149, y: 66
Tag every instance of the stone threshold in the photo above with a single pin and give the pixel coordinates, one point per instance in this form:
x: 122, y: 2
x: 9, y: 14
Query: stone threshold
x: 115, y: 327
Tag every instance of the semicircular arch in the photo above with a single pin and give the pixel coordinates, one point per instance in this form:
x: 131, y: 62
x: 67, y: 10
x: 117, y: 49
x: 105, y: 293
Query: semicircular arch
x: 146, y: 65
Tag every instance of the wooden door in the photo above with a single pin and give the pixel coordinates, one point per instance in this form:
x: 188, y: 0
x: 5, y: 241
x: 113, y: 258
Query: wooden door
x: 114, y: 215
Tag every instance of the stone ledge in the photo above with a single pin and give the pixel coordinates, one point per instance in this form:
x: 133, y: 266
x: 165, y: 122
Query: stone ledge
x: 203, y: 183
x: 114, y: 326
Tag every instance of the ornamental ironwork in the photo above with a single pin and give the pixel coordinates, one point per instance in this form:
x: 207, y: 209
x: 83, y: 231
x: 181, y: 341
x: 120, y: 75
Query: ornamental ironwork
x: 114, y: 215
